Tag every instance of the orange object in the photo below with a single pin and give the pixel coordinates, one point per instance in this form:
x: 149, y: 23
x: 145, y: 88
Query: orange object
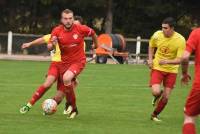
x: 113, y: 42
x: 103, y: 39
x: 111, y: 45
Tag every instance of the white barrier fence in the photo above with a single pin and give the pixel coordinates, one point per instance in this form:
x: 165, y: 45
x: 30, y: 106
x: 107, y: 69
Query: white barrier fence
x: 132, y: 41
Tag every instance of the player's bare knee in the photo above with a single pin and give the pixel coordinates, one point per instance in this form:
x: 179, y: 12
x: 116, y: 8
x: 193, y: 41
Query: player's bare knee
x: 67, y: 77
x: 189, y: 119
x: 156, y: 92
x: 66, y: 80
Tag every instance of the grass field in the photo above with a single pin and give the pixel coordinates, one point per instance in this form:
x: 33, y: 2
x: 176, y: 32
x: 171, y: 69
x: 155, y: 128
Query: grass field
x: 112, y: 99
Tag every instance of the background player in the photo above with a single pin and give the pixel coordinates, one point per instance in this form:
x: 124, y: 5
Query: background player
x: 78, y: 20
x: 170, y: 45
x: 70, y: 37
x: 52, y: 74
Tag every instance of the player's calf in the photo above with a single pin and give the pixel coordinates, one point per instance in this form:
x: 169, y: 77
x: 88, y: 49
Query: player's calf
x: 59, y: 97
x: 159, y: 108
x: 67, y: 77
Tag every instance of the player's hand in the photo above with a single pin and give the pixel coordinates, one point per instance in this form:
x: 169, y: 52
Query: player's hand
x: 93, y: 51
x: 150, y: 64
x: 54, y: 40
x: 163, y: 62
x: 25, y: 45
x: 93, y: 46
x: 185, y: 79
x: 50, y: 46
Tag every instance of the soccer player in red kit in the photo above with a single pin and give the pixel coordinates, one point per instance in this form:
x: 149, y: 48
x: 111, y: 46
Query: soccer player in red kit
x: 192, y: 106
x: 70, y: 37
x: 52, y: 74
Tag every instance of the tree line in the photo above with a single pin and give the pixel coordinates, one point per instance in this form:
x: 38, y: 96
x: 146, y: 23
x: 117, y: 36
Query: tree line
x: 128, y: 17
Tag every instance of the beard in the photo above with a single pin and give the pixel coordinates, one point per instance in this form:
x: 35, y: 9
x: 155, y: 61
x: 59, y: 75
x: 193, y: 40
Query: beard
x: 68, y: 26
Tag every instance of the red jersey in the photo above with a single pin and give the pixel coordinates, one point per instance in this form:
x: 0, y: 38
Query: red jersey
x: 71, y: 42
x: 193, y: 44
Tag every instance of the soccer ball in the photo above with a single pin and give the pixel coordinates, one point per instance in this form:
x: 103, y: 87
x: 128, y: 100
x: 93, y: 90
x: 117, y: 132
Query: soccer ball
x: 49, y: 106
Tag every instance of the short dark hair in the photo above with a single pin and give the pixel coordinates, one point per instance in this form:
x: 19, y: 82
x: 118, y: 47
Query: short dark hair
x: 67, y: 11
x: 170, y: 21
x: 78, y: 18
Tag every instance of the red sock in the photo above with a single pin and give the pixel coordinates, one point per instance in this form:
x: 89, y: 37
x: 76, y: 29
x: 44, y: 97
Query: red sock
x: 161, y: 105
x: 38, y: 94
x: 189, y: 128
x: 70, y: 96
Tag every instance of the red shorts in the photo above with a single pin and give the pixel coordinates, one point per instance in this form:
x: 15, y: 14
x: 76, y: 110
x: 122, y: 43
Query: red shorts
x: 75, y: 68
x: 158, y: 77
x: 53, y: 69
x: 192, y: 106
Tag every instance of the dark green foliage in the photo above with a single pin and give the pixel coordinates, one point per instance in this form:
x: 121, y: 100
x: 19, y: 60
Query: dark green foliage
x: 130, y: 17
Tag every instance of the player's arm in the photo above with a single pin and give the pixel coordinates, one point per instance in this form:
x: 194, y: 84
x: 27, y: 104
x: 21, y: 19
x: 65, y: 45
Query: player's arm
x: 89, y: 32
x: 151, y: 49
x: 53, y: 39
x: 95, y: 41
x: 191, y: 46
x: 185, y: 65
x: 185, y: 61
x: 174, y: 61
x: 52, y: 43
x: 35, y: 42
x: 150, y: 56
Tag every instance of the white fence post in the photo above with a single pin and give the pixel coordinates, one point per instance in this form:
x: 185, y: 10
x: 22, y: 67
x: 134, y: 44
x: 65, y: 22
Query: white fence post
x: 138, y: 44
x: 10, y: 39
